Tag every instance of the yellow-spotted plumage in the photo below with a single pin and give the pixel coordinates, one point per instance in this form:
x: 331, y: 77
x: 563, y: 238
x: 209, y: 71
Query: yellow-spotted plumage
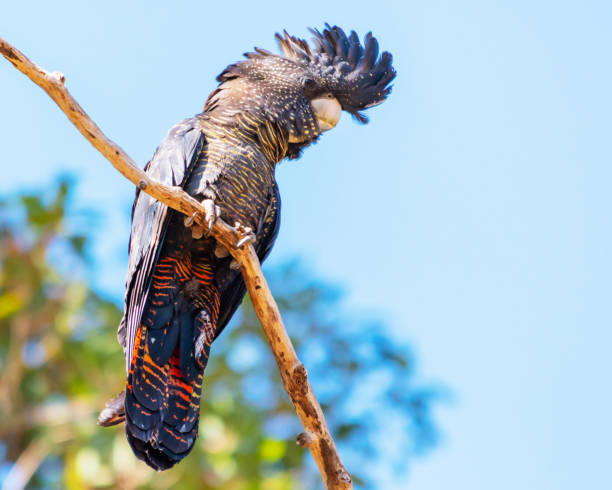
x: 181, y: 290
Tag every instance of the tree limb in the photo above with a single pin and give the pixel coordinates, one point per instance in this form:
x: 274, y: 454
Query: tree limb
x: 316, y: 434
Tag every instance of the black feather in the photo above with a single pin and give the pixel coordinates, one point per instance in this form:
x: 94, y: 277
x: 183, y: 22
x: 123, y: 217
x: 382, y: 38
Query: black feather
x: 162, y: 342
x: 323, y: 43
x: 342, y: 42
x: 174, y: 446
x: 157, y: 459
x: 159, y: 316
x: 370, y: 53
x: 353, y: 72
x: 186, y: 356
x: 355, y: 50
x: 144, y: 420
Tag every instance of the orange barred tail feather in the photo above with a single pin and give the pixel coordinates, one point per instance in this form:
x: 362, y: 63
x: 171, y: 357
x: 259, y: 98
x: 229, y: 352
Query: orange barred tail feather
x: 172, y: 345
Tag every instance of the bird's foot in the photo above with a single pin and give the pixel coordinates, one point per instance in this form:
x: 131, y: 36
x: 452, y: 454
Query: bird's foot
x: 246, y: 234
x: 212, y: 212
x: 220, y: 251
x: 114, y: 411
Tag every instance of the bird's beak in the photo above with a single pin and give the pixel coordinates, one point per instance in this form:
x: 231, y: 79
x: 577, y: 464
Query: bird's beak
x: 327, y: 110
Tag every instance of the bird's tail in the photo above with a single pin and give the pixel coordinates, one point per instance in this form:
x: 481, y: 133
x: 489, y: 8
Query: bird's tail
x: 162, y: 401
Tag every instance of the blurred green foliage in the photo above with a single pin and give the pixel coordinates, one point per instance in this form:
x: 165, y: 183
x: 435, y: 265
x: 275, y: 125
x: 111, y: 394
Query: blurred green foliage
x: 60, y: 361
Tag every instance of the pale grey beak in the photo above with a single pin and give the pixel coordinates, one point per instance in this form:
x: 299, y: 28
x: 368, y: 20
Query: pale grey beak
x: 327, y: 110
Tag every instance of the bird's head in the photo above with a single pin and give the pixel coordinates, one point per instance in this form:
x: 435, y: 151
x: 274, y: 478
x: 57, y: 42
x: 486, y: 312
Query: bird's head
x: 305, y: 90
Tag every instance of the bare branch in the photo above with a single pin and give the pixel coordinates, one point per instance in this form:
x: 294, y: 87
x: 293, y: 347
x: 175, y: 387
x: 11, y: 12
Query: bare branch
x: 317, y: 437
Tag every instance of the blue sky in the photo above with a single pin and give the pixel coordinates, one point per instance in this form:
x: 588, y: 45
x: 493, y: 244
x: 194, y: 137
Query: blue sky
x: 473, y: 212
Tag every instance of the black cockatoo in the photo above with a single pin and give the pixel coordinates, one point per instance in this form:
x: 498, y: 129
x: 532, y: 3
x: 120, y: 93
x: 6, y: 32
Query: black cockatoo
x: 182, y: 288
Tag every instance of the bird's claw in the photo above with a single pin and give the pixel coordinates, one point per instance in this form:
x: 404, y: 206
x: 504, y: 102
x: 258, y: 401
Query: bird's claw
x: 114, y: 411
x: 245, y: 240
x: 188, y: 220
x: 246, y: 234
x: 211, y: 213
x: 221, y: 252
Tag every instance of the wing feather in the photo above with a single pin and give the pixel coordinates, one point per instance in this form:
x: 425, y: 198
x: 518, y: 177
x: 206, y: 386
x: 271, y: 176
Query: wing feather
x: 171, y: 165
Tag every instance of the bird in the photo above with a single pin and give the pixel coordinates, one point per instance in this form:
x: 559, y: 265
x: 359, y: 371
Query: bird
x: 182, y: 287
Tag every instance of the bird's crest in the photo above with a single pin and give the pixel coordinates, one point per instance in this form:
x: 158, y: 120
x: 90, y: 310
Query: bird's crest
x: 357, y: 76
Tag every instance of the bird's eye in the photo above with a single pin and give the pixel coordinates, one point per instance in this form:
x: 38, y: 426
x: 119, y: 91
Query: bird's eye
x: 308, y: 83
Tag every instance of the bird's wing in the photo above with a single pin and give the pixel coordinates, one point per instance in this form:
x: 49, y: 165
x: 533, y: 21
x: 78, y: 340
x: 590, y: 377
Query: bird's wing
x: 232, y: 287
x: 171, y: 164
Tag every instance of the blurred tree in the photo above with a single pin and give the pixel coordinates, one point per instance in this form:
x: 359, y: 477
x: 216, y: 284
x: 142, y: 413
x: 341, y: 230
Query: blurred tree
x: 60, y: 361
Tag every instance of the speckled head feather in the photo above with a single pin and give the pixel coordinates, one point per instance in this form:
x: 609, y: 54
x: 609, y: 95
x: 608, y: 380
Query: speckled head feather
x: 269, y: 88
x: 355, y: 74
x: 278, y: 89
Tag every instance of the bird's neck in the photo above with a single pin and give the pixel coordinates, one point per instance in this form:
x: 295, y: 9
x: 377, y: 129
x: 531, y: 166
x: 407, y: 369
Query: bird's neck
x: 246, y: 128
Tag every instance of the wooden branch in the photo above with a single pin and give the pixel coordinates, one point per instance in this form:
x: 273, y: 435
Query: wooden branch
x: 293, y: 373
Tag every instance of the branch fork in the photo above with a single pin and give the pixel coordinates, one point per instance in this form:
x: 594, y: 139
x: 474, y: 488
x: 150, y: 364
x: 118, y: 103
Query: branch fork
x: 316, y: 436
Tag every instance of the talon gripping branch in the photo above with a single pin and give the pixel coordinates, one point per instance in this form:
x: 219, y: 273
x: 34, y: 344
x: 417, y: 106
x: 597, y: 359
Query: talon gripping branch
x: 181, y: 287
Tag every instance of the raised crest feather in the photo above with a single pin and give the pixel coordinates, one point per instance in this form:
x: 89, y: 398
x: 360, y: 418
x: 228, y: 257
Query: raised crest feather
x: 357, y: 76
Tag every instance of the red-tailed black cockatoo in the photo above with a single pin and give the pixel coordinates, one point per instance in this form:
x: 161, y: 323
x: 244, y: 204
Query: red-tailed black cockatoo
x: 182, y: 287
